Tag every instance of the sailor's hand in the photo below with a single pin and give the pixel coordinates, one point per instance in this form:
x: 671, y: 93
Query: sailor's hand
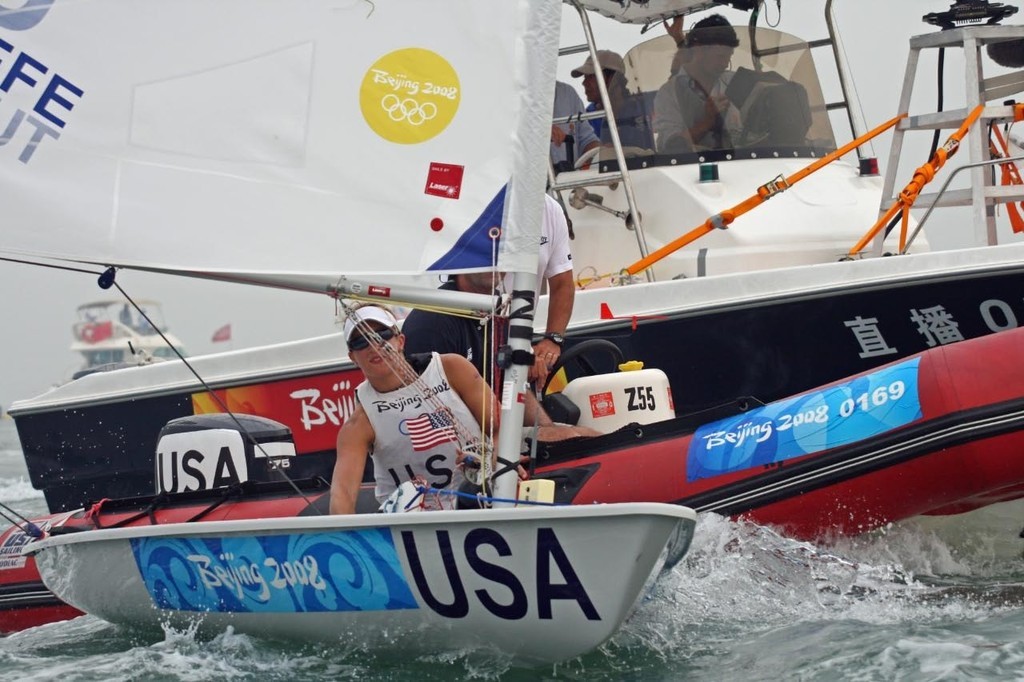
x: 712, y: 110
x: 470, y: 454
x: 675, y: 29
x: 468, y: 461
x: 557, y: 135
x: 523, y: 468
x: 545, y: 355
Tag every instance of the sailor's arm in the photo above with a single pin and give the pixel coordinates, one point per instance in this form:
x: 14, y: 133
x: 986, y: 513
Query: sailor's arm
x: 561, y: 297
x: 466, y: 381
x: 355, y: 438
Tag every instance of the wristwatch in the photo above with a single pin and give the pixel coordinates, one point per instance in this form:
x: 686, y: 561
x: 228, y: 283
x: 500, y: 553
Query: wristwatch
x: 555, y: 338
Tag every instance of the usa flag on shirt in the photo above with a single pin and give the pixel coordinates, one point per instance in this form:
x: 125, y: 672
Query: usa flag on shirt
x: 430, y: 430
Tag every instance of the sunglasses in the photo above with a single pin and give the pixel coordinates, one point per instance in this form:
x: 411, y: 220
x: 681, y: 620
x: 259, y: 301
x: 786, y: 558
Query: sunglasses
x: 362, y: 343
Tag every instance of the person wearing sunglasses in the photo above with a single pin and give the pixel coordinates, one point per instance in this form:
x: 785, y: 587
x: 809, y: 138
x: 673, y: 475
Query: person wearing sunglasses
x: 413, y: 414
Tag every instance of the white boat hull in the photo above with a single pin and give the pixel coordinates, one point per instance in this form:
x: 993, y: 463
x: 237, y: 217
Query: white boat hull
x: 541, y: 584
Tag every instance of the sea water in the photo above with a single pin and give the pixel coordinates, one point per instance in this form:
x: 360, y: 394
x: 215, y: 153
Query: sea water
x: 746, y: 604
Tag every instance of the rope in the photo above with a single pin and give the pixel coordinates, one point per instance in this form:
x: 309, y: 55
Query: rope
x: 484, y: 498
x: 220, y: 403
x: 93, y: 514
x: 922, y: 176
x: 1010, y: 176
x: 22, y: 523
x: 106, y: 279
x: 227, y: 493
x: 584, y: 279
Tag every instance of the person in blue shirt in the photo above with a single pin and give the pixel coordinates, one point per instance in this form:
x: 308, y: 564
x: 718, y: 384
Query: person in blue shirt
x: 563, y: 153
x: 630, y: 113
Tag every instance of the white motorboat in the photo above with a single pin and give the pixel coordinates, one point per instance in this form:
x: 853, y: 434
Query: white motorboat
x: 113, y: 334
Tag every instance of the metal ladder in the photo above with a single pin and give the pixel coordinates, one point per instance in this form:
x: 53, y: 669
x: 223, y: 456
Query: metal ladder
x: 602, y: 178
x: 983, y: 194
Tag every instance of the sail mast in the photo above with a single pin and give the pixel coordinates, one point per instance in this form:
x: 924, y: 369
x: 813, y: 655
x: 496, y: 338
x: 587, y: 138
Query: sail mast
x: 537, y: 56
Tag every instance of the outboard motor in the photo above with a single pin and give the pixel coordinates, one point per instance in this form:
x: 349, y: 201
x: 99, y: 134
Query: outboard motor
x: 210, y: 451
x: 633, y: 395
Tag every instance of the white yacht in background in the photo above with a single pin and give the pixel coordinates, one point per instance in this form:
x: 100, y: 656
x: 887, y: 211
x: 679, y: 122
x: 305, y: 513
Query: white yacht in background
x: 111, y: 334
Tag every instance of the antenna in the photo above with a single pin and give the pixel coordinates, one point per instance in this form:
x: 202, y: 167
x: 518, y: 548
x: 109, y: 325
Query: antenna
x: 964, y: 12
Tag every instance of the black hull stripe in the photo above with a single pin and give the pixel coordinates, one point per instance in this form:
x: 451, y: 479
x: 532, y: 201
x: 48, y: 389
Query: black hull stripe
x: 26, y: 595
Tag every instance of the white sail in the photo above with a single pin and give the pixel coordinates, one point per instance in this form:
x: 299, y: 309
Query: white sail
x: 263, y: 139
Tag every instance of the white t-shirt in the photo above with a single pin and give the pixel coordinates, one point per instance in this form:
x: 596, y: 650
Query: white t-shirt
x: 554, y: 257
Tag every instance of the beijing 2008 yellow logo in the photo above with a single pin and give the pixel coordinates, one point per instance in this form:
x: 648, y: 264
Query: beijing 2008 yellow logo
x: 409, y: 96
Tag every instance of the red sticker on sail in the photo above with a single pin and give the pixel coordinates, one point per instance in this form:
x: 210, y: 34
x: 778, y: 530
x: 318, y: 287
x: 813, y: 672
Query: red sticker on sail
x: 444, y: 180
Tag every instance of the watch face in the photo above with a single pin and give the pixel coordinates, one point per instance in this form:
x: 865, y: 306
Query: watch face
x: 557, y: 338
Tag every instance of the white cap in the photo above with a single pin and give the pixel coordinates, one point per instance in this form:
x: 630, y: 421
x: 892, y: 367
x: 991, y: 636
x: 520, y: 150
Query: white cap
x: 606, y: 58
x: 368, y: 313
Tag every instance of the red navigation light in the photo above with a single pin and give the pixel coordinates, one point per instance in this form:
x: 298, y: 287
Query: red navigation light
x: 869, y: 166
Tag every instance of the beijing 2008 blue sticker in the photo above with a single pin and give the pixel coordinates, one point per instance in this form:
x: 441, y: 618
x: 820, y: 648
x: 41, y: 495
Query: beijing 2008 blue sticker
x: 354, y: 570
x: 813, y: 422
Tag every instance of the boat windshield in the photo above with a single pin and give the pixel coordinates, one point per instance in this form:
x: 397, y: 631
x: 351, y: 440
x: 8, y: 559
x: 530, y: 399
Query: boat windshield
x: 769, y: 100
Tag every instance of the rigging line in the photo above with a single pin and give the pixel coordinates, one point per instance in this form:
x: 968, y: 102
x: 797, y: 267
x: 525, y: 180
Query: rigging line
x: 170, y: 345
x: 25, y: 525
x: 220, y: 402
x: 491, y: 344
x: 486, y: 498
x: 54, y: 266
x: 456, y: 312
x: 398, y: 365
x: 394, y: 302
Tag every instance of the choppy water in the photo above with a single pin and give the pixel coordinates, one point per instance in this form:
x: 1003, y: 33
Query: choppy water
x: 745, y: 604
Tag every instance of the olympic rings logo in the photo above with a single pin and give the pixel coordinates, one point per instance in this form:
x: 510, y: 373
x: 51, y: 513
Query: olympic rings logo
x: 408, y: 109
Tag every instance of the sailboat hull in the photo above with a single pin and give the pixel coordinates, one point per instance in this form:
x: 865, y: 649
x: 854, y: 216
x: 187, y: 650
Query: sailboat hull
x: 541, y: 585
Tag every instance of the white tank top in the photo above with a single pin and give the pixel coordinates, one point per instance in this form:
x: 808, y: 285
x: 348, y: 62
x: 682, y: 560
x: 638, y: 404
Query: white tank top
x: 414, y: 437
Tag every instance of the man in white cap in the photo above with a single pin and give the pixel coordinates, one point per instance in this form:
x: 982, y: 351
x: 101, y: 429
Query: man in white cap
x: 410, y: 437
x: 630, y: 118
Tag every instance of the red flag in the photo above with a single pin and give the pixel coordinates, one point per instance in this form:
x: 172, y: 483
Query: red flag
x: 94, y: 332
x: 222, y: 334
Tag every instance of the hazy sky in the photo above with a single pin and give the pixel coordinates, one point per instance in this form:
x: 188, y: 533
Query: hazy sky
x: 37, y: 306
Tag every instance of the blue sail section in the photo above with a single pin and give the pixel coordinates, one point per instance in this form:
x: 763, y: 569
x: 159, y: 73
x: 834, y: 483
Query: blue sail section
x: 474, y: 248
